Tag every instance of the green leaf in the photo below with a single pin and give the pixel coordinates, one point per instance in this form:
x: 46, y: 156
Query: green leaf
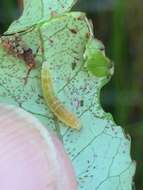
x: 100, y: 152
x: 99, y: 65
x: 92, y: 46
x: 37, y: 11
x: 96, y: 62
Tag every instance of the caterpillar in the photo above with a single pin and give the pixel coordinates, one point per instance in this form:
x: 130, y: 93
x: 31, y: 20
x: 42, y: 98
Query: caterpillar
x: 56, y: 106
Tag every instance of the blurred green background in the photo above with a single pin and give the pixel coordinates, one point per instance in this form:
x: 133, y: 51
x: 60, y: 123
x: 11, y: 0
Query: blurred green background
x: 119, y: 24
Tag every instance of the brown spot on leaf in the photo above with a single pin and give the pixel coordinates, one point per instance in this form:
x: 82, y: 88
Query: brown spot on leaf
x: 74, y: 65
x: 87, y: 35
x: 73, y: 30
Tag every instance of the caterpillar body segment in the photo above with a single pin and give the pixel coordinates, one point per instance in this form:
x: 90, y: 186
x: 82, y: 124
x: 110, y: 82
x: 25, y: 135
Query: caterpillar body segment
x: 56, y: 106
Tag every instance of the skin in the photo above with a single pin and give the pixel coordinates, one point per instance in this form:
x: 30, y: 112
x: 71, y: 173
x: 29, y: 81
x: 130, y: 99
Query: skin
x: 31, y: 156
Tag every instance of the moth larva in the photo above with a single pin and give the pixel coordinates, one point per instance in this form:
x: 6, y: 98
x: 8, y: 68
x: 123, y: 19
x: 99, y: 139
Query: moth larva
x: 54, y: 103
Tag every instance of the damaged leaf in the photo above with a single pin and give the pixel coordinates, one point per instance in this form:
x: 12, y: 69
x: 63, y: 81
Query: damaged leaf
x: 100, y: 151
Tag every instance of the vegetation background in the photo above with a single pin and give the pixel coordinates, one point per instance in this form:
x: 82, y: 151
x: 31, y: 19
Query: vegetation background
x: 119, y: 24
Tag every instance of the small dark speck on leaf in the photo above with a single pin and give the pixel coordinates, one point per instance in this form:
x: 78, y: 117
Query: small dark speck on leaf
x: 40, y: 96
x: 76, y: 58
x: 74, y: 31
x: 81, y: 103
x: 73, y: 65
x: 80, y: 18
x: 51, y: 41
x: 88, y: 35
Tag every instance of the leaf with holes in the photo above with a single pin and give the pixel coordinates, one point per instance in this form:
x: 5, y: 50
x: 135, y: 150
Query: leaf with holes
x: 38, y: 11
x: 100, y: 151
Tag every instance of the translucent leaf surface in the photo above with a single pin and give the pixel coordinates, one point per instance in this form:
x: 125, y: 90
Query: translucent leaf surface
x: 36, y: 11
x: 100, y: 152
